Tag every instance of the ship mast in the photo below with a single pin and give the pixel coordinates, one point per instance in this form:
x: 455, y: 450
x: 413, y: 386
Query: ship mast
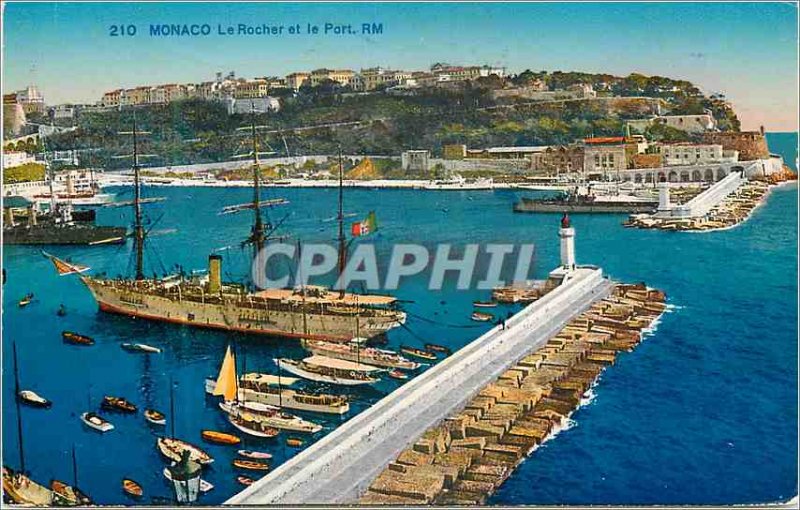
x: 19, y: 412
x: 138, y: 228
x: 257, y: 236
x: 340, y: 217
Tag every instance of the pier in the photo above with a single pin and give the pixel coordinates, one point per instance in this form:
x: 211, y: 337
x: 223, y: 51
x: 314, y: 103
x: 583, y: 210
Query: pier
x: 340, y: 467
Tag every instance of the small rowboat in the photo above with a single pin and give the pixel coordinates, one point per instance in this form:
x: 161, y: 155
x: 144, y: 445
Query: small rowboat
x: 62, y: 311
x: 212, y: 436
x: 244, y: 480
x: 398, y: 374
x: 76, y: 339
x: 173, y: 448
x: 140, y: 348
x: 438, y: 348
x: 66, y: 495
x: 418, y: 353
x: 294, y: 442
x: 132, y: 488
x: 204, y: 485
x: 250, y: 454
x: 484, y: 304
x: 96, y: 422
x: 481, y: 316
x: 26, y: 301
x: 117, y: 404
x: 154, y: 417
x: 32, y: 399
x: 253, y: 465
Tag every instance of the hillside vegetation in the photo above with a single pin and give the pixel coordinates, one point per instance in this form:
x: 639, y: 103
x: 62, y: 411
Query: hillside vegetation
x: 196, y: 131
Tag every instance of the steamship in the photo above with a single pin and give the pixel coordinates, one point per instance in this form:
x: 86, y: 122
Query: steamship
x: 309, y: 312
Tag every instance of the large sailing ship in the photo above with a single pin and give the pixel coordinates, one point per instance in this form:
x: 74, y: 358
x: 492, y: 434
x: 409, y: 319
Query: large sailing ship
x: 308, y: 312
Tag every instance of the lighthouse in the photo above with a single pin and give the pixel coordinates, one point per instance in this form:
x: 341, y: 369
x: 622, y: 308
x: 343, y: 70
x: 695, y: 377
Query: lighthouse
x: 567, y: 235
x: 663, y: 195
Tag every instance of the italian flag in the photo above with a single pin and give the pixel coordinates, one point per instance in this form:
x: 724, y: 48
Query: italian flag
x: 367, y: 226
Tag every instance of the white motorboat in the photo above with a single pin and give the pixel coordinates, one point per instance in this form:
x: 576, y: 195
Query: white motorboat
x: 96, y: 422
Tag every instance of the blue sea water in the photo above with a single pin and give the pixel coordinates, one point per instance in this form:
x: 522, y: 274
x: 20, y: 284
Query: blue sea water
x: 704, y: 411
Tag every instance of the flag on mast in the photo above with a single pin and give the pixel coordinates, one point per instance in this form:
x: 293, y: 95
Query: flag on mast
x: 367, y: 226
x: 63, y: 267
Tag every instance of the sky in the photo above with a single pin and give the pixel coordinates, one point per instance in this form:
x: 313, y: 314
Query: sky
x: 748, y: 51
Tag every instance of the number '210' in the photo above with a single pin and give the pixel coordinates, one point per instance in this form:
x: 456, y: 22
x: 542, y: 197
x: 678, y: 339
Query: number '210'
x: 122, y: 30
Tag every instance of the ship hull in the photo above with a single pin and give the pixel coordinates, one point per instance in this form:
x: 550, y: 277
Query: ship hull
x: 527, y: 205
x: 232, y: 317
x: 71, y: 234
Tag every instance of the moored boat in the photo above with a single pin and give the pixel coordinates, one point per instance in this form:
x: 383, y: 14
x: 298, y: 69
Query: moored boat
x: 132, y: 488
x: 26, y: 300
x: 270, y: 416
x: 76, y: 339
x: 438, y: 348
x: 140, y: 348
x: 294, y: 442
x: 484, y: 304
x: 418, y: 353
x: 67, y: 495
x: 253, y: 465
x: 155, y: 417
x: 250, y: 454
x: 31, y: 398
x: 21, y: 490
x: 481, y: 316
x: 62, y: 311
x: 216, y: 437
x: 205, y: 486
x: 172, y: 448
x: 356, y: 352
x: 330, y: 370
x: 117, y: 404
x: 244, y: 480
x: 94, y: 421
x: 398, y: 374
x: 246, y: 424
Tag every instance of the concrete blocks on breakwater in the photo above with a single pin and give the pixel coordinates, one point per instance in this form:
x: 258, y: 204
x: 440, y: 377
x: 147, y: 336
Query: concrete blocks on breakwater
x: 372, y: 449
x: 464, y: 458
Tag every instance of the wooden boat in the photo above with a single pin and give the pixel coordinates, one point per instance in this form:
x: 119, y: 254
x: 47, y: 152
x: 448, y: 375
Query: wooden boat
x: 251, y: 427
x: 155, y: 417
x: 330, y: 370
x: 484, y: 304
x: 294, y: 442
x: 76, y: 339
x: 21, y: 490
x: 250, y: 464
x: 205, y: 486
x: 244, y: 480
x: 356, y: 352
x: 132, y: 488
x: 438, y: 348
x: 172, y: 448
x: 67, y: 495
x: 250, y: 454
x: 117, y: 404
x: 140, y: 348
x: 32, y: 399
x: 213, y: 436
x: 398, y: 374
x: 418, y: 353
x: 26, y: 300
x: 270, y: 416
x: 481, y: 316
x: 96, y: 422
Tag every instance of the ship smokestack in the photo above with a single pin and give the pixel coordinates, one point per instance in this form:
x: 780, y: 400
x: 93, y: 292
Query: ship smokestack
x: 214, y: 274
x: 70, y: 184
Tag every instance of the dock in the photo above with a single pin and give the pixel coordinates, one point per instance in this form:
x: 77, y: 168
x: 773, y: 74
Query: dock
x: 341, y: 467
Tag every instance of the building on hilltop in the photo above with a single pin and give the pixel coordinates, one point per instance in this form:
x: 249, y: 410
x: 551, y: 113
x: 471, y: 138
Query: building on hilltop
x: 750, y: 145
x: 296, y: 80
x: 340, y: 76
x: 246, y: 105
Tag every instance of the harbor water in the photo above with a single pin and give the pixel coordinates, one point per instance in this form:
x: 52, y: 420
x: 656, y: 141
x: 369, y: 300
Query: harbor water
x: 703, y: 412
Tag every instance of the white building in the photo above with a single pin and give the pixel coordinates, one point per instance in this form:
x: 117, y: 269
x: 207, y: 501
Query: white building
x: 415, y: 161
x: 695, y: 154
x: 259, y: 104
x: 13, y: 159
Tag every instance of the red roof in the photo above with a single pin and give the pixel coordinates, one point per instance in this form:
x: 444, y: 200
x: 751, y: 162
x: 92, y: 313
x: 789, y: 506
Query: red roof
x: 604, y: 140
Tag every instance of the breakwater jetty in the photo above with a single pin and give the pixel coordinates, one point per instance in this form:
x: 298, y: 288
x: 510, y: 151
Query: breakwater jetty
x: 341, y: 466
x: 463, y: 459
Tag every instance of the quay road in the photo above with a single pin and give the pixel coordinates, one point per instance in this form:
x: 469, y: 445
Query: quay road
x: 339, y: 468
